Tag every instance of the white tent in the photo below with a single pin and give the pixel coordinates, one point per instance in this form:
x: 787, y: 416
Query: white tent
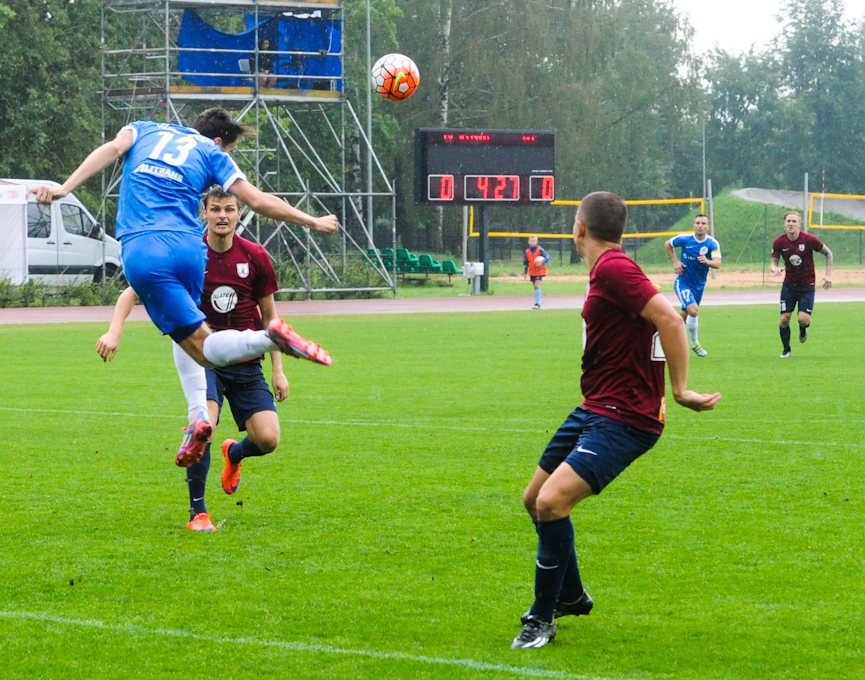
x: 13, y: 233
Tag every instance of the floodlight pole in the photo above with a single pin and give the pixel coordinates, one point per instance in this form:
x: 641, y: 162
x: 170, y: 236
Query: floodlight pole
x: 705, y: 190
x: 369, y: 216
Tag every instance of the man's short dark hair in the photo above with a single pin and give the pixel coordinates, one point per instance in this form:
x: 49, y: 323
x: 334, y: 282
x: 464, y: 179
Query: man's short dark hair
x: 700, y: 215
x: 218, y: 122
x: 215, y: 193
x: 605, y: 216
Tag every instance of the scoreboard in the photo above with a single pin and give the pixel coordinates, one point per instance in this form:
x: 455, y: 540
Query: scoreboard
x: 484, y: 167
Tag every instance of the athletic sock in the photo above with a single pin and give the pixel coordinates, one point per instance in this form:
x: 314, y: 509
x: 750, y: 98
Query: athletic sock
x: 785, y: 337
x: 224, y: 348
x: 555, y: 543
x: 692, y: 324
x: 572, y: 585
x: 244, y: 449
x: 193, y: 381
x: 538, y: 297
x: 196, y: 479
x: 804, y: 328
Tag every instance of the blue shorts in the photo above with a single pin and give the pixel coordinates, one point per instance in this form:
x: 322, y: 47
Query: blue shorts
x: 245, y: 388
x: 687, y: 295
x: 166, y: 269
x: 596, y: 447
x: 535, y: 279
x: 790, y: 297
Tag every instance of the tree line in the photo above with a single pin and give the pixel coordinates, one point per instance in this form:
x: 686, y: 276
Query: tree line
x: 618, y: 81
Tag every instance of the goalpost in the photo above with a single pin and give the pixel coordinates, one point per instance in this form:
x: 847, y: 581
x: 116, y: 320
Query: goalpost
x: 822, y: 206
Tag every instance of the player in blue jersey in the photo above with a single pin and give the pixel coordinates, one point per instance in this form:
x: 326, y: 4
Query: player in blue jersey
x: 166, y: 170
x: 700, y: 252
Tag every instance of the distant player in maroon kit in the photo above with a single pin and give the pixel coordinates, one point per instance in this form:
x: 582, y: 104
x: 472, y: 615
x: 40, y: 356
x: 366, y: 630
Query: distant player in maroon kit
x: 239, y: 284
x: 630, y: 331
x: 797, y: 248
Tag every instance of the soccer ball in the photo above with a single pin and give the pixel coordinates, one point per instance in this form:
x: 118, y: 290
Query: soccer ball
x: 539, y: 261
x: 395, y: 77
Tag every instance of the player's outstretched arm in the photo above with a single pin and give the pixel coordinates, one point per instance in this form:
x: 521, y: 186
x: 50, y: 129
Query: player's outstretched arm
x: 109, y: 343
x: 96, y: 162
x: 830, y: 259
x: 276, y: 208
x: 674, y: 342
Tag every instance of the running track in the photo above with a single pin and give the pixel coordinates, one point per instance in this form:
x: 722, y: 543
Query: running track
x: 480, y: 303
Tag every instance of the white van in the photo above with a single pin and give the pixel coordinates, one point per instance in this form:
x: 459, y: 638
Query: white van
x: 64, y: 243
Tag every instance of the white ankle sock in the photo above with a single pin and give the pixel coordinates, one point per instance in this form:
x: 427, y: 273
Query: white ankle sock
x: 224, y: 348
x: 692, y: 324
x: 192, y: 380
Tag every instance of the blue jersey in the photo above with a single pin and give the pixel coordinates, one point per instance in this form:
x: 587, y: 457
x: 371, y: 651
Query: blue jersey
x: 166, y: 171
x: 695, y: 273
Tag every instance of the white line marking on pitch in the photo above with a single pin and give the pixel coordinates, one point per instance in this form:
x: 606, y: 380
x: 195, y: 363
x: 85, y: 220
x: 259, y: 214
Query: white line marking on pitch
x: 433, y: 426
x: 299, y: 646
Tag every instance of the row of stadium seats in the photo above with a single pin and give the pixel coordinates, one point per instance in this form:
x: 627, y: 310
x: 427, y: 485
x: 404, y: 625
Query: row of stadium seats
x: 407, y: 263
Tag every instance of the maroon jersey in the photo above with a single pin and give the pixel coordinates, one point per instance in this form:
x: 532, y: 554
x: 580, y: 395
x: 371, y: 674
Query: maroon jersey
x: 623, y: 364
x: 233, y: 283
x: 798, y: 258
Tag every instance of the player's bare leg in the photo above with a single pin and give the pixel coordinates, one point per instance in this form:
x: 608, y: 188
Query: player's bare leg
x: 262, y: 430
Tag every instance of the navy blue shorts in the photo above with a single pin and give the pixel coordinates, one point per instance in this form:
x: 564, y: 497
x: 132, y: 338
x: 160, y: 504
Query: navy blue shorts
x: 166, y: 269
x: 535, y: 279
x: 245, y: 388
x: 596, y: 447
x: 790, y: 297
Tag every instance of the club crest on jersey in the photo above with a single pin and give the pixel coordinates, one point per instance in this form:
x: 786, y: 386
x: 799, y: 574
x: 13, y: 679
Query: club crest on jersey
x: 223, y: 299
x: 802, y: 247
x: 243, y: 269
x: 704, y: 250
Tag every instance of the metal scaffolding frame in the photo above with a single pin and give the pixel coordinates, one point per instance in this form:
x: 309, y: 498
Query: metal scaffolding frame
x: 308, y: 149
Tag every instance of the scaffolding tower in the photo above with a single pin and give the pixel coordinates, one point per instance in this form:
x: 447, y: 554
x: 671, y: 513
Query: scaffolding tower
x: 167, y: 60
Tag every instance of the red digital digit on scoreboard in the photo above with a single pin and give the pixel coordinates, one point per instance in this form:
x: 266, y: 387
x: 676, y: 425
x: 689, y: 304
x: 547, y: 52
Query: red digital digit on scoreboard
x: 542, y: 188
x: 492, y: 188
x: 440, y: 187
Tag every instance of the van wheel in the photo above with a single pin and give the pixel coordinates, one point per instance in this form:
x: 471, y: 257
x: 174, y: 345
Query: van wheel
x: 111, y: 273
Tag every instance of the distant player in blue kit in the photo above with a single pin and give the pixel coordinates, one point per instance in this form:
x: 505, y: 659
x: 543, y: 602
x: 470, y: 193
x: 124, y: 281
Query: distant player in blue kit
x: 700, y: 252
x: 535, y: 261
x: 167, y: 168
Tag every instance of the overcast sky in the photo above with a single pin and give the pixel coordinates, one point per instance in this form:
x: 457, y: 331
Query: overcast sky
x: 735, y: 25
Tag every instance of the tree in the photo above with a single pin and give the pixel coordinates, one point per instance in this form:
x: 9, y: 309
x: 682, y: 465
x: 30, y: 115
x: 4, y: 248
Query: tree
x: 49, y: 112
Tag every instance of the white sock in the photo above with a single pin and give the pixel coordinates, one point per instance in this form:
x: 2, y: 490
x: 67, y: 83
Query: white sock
x: 692, y: 324
x: 224, y: 348
x: 192, y: 380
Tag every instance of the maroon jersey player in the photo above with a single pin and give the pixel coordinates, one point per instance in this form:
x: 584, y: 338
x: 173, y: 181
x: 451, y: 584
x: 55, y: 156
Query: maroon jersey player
x: 797, y: 249
x: 631, y: 331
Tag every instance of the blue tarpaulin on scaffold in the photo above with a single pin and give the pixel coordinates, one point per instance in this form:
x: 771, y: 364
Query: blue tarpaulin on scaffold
x: 320, y: 36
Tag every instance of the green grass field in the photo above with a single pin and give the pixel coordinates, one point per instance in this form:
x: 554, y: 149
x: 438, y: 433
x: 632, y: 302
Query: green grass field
x: 386, y: 539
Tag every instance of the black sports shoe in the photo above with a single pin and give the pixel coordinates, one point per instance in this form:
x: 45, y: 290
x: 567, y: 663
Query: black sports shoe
x: 803, y: 333
x: 579, y: 607
x: 535, y: 633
